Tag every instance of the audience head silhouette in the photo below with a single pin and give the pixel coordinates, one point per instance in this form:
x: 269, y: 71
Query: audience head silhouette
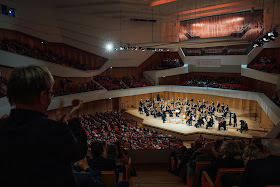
x: 30, y: 88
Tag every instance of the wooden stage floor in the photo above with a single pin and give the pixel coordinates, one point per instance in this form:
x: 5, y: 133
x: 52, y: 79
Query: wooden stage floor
x: 178, y: 125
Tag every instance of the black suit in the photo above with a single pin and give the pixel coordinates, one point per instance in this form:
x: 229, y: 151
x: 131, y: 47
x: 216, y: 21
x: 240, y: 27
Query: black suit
x: 259, y: 173
x: 37, y: 151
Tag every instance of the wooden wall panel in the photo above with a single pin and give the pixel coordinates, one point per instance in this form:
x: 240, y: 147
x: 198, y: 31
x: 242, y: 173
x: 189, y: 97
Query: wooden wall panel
x: 133, y: 101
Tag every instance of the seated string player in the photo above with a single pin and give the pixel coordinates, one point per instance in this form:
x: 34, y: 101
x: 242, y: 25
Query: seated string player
x: 210, y: 123
x: 243, y: 126
x: 222, y: 124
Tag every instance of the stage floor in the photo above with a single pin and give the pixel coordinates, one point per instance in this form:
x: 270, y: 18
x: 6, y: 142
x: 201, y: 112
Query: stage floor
x: 179, y: 126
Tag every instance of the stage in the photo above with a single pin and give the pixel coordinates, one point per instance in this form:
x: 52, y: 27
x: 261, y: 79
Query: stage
x: 178, y: 125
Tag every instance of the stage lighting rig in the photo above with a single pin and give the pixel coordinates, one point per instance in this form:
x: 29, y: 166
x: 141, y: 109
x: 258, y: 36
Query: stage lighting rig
x: 270, y: 35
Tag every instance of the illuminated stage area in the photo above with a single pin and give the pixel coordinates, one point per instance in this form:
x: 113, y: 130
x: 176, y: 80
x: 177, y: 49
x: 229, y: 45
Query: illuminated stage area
x: 178, y: 125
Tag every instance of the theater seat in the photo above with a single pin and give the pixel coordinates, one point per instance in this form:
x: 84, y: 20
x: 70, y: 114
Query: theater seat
x: 109, y: 178
x: 207, y: 182
x: 199, y: 166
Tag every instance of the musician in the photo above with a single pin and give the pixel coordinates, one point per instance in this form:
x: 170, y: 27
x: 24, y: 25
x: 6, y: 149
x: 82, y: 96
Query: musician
x: 243, y: 126
x: 187, y: 102
x: 218, y: 106
x: 230, y: 116
x: 146, y: 110
x: 141, y: 102
x: 140, y: 109
x: 222, y: 124
x: 172, y: 101
x: 213, y: 110
x: 147, y: 99
x: 189, y: 122
x: 158, y: 97
x: 198, y: 101
x: 155, y: 100
x: 163, y: 116
x: 203, y: 104
x: 199, y: 123
x: 225, y: 114
x: 178, y: 101
x: 191, y: 100
x: 227, y: 108
x: 223, y: 107
x: 210, y: 123
x: 212, y: 103
x: 234, y: 120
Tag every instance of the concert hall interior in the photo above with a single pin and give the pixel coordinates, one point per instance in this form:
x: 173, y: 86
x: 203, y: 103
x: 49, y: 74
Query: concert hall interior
x: 155, y: 75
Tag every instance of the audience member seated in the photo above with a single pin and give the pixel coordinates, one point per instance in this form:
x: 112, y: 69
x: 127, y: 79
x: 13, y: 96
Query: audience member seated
x: 269, y: 65
x: 86, y: 176
x: 261, y: 172
x: 67, y: 87
x: 3, y: 86
x: 18, y: 47
x: 230, y: 158
x: 109, y: 83
x: 168, y: 64
x: 99, y: 158
x: 132, y: 82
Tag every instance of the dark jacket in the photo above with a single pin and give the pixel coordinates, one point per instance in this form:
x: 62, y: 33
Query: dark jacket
x: 37, y: 151
x: 259, y: 173
x: 228, y: 162
x: 103, y: 164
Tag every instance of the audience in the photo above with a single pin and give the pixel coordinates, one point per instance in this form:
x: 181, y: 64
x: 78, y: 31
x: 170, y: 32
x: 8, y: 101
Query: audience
x: 269, y: 65
x: 261, y: 160
x: 18, y: 47
x: 112, y: 127
x: 109, y: 83
x: 68, y: 87
x: 132, y: 82
x: 168, y: 64
x: 221, y: 82
x: 37, y: 151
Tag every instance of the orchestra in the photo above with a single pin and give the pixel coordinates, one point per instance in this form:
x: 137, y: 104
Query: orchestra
x: 191, y: 111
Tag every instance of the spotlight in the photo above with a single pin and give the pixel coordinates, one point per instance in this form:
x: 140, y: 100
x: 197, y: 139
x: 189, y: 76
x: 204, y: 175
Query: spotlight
x: 121, y: 48
x: 109, y: 47
x: 116, y: 48
x: 255, y: 45
x: 265, y: 39
x: 111, y: 67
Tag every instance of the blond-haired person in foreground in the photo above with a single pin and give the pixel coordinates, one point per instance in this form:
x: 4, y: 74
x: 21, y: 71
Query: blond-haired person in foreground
x: 35, y: 150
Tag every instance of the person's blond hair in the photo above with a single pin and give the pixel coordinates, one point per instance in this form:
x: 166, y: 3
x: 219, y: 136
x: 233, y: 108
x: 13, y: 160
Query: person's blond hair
x: 252, y: 151
x: 230, y: 148
x: 26, y: 84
